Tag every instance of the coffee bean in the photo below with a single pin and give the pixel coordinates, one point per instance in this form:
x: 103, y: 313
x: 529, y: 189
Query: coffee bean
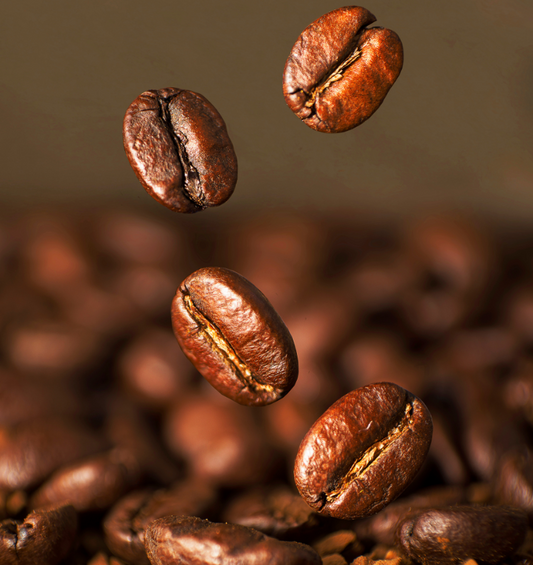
x: 91, y: 484
x: 126, y: 523
x: 179, y: 148
x: 275, y: 511
x: 457, y: 533
x: 31, y: 450
x: 363, y: 451
x: 381, y: 527
x: 234, y: 337
x: 177, y: 539
x: 44, y: 537
x: 339, y: 71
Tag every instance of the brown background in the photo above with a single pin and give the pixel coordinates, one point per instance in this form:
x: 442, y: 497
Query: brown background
x: 455, y: 131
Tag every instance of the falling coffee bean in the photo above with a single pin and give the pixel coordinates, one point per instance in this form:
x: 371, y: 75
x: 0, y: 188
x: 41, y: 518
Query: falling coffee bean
x: 363, y: 451
x: 339, y: 70
x: 180, y: 150
x: 234, y: 337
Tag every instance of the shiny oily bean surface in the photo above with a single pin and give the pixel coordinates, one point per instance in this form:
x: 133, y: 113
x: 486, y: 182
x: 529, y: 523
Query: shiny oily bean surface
x: 458, y: 533
x: 178, y: 145
x: 193, y: 541
x: 125, y: 524
x: 339, y: 71
x: 234, y: 337
x: 363, y: 451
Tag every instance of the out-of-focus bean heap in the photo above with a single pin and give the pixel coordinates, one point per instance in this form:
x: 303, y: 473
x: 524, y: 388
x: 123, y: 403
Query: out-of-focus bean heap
x: 106, y: 426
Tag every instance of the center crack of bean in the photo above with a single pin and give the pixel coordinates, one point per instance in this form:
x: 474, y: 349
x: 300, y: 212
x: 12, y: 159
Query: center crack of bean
x: 370, y: 456
x: 191, y: 180
x: 220, y: 344
x: 336, y: 75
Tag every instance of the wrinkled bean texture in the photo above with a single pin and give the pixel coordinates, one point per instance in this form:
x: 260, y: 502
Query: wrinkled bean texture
x: 194, y: 541
x: 44, y: 537
x: 178, y: 145
x: 339, y: 70
x: 363, y: 451
x: 234, y: 337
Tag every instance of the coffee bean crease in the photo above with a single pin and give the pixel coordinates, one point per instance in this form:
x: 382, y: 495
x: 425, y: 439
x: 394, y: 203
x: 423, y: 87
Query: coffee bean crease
x: 336, y: 75
x: 221, y: 345
x: 191, y: 180
x: 371, y: 455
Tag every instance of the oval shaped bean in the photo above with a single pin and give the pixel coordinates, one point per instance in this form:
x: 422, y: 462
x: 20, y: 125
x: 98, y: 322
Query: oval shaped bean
x: 176, y: 539
x: 363, y: 451
x: 339, y: 71
x: 458, y: 533
x: 178, y: 145
x: 234, y: 337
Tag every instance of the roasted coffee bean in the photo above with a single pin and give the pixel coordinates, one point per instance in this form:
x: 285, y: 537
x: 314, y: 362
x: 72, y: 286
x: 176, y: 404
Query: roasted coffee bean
x: 363, y: 451
x: 381, y: 528
x: 179, y: 148
x: 32, y: 450
x: 177, y: 539
x: 234, y: 337
x: 44, y: 537
x: 339, y: 71
x: 458, y: 533
x: 126, y: 523
x: 92, y: 484
x: 275, y: 511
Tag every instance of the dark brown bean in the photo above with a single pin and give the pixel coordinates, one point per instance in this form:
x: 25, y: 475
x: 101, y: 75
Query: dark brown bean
x: 194, y: 541
x: 381, y: 527
x: 273, y: 510
x: 125, y: 525
x: 234, y: 337
x: 339, y: 71
x: 458, y: 533
x: 92, y: 484
x: 179, y: 148
x: 44, y: 537
x: 32, y: 450
x: 363, y: 451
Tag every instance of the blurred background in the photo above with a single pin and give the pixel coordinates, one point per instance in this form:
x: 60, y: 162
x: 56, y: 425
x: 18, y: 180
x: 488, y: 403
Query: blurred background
x: 399, y: 251
x: 453, y: 133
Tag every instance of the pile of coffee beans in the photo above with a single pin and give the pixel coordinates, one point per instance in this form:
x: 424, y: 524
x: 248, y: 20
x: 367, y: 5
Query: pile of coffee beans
x: 115, y: 450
